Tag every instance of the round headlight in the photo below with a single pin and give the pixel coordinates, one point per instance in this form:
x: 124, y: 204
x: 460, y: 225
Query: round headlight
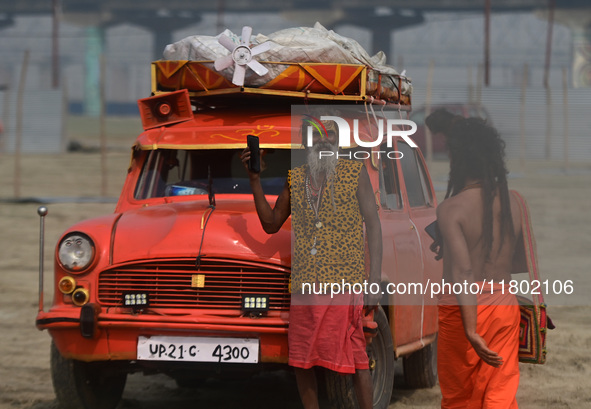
x: 76, y: 252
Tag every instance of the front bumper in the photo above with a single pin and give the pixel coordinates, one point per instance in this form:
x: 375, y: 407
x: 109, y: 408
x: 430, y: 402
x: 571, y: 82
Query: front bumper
x: 96, y: 334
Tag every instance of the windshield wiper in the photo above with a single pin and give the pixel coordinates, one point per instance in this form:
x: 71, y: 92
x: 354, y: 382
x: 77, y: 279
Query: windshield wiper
x: 210, y: 187
x: 212, y: 207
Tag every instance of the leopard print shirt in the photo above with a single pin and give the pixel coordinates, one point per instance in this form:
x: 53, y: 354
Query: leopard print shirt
x: 339, y: 242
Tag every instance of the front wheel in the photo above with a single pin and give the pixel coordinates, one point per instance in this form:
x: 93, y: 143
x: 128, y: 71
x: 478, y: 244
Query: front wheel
x: 340, y: 389
x: 85, y: 385
x: 420, y: 367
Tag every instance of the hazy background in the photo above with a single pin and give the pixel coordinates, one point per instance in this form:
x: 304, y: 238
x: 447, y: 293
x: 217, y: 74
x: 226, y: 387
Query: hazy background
x: 451, y: 43
x: 61, y: 166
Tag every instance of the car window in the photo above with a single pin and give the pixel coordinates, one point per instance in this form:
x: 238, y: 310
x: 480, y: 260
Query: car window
x: 390, y: 197
x: 425, y: 181
x: 415, y: 177
x: 172, y: 172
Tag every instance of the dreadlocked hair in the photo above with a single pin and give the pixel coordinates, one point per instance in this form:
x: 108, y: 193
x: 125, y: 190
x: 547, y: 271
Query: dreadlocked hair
x: 441, y: 120
x: 477, y: 151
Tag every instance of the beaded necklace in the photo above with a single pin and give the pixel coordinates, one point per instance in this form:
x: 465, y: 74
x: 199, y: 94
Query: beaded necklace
x: 314, y: 205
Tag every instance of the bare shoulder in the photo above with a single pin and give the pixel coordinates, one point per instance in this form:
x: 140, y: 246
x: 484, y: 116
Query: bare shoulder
x: 457, y: 211
x: 450, y: 208
x: 449, y: 215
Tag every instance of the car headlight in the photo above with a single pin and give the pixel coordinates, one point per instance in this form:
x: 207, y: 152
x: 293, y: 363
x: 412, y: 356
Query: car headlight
x: 76, y: 252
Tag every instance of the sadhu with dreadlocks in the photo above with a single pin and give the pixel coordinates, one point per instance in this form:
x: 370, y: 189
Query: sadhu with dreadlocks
x: 479, y: 223
x: 330, y: 200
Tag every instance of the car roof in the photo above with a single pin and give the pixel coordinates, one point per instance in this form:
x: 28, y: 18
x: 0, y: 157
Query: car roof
x: 222, y: 128
x: 228, y: 127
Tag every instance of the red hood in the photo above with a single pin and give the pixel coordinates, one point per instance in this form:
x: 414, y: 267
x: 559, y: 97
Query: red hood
x: 175, y: 230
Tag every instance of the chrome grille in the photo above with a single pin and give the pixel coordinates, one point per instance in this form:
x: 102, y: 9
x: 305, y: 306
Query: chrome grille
x: 168, y: 283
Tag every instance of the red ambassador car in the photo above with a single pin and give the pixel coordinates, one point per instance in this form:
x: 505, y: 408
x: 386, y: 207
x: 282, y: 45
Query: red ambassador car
x: 181, y: 279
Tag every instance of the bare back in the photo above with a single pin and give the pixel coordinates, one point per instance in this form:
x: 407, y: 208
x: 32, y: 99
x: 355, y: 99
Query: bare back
x: 460, y: 219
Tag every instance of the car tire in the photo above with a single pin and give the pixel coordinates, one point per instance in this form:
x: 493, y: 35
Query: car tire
x: 420, y: 367
x: 340, y: 390
x: 85, y: 385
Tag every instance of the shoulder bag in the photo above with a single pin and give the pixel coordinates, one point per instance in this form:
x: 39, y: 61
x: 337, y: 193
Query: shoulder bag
x: 534, y: 322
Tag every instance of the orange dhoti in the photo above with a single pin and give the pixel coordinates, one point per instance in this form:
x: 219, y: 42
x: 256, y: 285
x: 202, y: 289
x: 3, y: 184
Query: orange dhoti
x: 466, y: 381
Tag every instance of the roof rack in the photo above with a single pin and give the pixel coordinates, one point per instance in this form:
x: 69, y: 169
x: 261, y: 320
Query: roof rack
x: 322, y: 81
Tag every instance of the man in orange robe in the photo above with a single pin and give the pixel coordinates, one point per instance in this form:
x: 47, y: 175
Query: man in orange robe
x: 479, y: 223
x: 466, y: 380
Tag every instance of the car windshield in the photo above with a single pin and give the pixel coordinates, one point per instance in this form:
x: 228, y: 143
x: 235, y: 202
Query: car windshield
x: 172, y: 172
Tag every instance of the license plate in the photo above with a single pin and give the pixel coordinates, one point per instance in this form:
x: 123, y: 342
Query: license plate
x: 198, y: 349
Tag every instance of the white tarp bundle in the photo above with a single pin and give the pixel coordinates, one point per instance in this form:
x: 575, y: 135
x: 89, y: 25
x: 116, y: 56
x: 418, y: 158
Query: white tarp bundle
x: 299, y: 44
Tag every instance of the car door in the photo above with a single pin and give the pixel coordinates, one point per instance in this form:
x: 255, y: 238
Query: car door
x: 402, y: 259
x: 421, y: 204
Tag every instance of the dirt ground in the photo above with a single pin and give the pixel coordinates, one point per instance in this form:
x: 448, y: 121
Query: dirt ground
x: 561, y: 212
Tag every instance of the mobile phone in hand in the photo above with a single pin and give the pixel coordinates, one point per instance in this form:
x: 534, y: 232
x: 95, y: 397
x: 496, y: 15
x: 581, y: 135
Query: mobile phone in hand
x: 254, y: 163
x: 431, y: 230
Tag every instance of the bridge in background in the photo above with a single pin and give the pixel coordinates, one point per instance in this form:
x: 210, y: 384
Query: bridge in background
x: 379, y: 17
x: 163, y: 17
